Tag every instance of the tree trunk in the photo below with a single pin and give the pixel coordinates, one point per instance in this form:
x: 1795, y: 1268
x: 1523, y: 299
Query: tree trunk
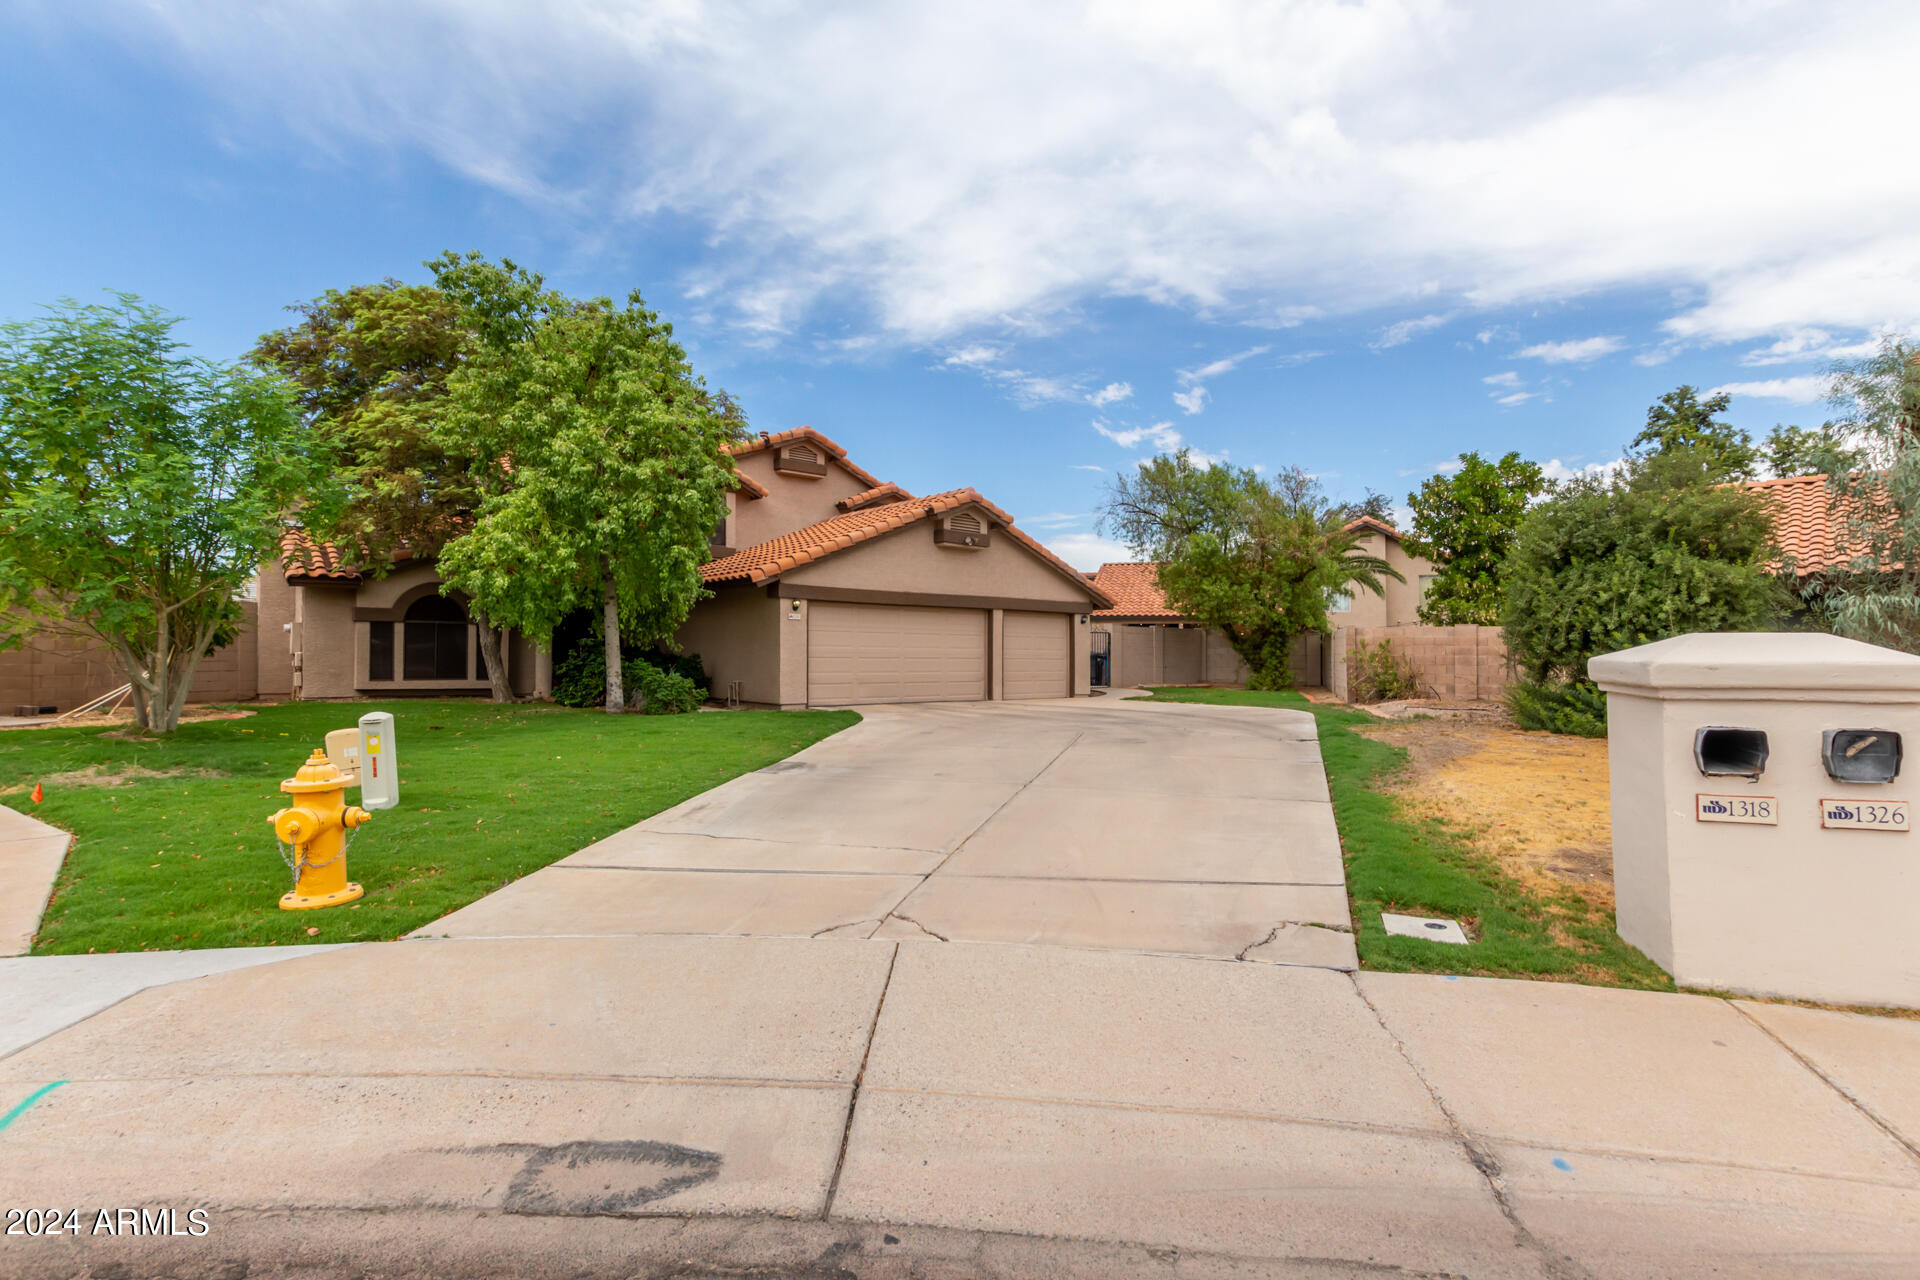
x: 610, y: 604
x: 490, y: 654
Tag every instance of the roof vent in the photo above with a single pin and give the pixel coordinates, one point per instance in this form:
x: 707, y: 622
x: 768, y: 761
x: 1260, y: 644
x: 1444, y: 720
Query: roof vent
x: 799, y: 459
x: 962, y: 529
x: 803, y: 453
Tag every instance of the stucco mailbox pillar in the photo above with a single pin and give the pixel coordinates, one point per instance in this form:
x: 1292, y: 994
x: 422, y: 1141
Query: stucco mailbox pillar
x: 1762, y: 813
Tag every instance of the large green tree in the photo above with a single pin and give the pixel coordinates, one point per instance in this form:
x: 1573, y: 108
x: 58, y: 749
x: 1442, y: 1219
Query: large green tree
x: 140, y: 489
x: 1681, y: 422
x: 1874, y: 488
x: 1256, y: 558
x: 1466, y: 523
x: 599, y: 452
x: 1799, y: 451
x: 372, y: 364
x: 1663, y: 548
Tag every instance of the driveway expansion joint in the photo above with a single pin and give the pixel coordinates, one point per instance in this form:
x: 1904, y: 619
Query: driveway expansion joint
x: 1556, y: 1265
x: 1906, y: 1144
x: 859, y: 1078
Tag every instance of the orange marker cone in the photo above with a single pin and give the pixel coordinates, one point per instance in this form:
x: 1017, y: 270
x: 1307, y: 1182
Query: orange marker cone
x: 36, y: 793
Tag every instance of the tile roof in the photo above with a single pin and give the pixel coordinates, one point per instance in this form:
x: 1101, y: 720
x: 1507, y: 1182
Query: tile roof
x: 870, y: 497
x: 755, y: 444
x: 1134, y: 586
x: 1379, y: 526
x: 1810, y: 532
x: 789, y: 551
x: 306, y: 557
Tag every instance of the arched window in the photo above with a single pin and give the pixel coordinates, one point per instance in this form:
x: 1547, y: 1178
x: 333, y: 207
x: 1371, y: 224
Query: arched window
x: 436, y: 640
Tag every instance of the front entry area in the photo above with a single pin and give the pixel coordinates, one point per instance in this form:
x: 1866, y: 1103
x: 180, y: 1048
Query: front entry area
x: 868, y: 653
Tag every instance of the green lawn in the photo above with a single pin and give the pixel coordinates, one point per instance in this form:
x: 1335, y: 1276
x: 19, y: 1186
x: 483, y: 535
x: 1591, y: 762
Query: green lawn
x: 1416, y: 866
x: 487, y: 794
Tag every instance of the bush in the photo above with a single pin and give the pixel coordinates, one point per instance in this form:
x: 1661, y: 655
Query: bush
x: 660, y: 693
x: 1661, y: 550
x: 580, y: 678
x: 1375, y: 673
x: 1570, y: 707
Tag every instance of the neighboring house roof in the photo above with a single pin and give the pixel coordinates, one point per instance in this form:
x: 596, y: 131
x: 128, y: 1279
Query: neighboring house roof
x: 1811, y: 531
x: 1378, y: 526
x: 1134, y: 588
x: 755, y: 444
x: 308, y: 559
x: 879, y: 494
x: 789, y: 551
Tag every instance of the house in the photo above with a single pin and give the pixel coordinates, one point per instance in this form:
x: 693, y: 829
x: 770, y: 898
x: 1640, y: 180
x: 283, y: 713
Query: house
x: 830, y: 587
x: 1144, y: 641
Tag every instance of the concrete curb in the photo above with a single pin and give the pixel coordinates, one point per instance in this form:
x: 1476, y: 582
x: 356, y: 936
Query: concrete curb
x: 30, y: 856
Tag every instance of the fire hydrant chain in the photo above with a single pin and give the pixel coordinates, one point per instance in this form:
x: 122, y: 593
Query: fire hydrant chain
x: 319, y: 821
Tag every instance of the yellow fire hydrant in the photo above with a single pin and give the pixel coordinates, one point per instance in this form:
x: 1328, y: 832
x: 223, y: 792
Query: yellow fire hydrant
x: 316, y: 827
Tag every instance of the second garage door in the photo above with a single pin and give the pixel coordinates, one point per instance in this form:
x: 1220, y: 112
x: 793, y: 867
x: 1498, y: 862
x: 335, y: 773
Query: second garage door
x: 1039, y: 654
x: 861, y: 653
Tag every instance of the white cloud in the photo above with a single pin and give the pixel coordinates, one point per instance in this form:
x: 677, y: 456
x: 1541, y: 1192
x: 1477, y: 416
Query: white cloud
x: 1112, y: 393
x: 1224, y: 365
x: 1053, y: 520
x: 1574, y: 351
x: 1201, y: 458
x: 1192, y: 400
x: 1517, y: 397
x: 1810, y: 389
x: 912, y: 166
x: 1507, y: 379
x: 1085, y: 466
x: 1161, y: 435
x: 974, y: 356
x: 1087, y: 551
x: 1809, y: 344
x: 1559, y: 471
x: 1405, y: 331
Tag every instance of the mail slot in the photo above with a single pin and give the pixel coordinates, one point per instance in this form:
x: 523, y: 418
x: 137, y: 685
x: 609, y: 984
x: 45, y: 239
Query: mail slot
x: 1730, y: 753
x: 1861, y: 755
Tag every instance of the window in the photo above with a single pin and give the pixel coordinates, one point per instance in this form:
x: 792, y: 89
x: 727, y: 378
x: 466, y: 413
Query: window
x: 379, y: 651
x: 1426, y: 583
x: 1339, y: 601
x: 719, y: 538
x: 436, y: 640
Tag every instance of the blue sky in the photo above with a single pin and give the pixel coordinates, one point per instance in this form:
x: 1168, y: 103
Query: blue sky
x: 1020, y: 246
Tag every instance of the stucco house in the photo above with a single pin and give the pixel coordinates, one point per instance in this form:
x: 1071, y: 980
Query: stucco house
x: 830, y: 587
x: 1145, y: 641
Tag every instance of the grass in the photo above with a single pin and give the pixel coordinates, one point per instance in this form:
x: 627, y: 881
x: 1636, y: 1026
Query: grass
x: 179, y: 854
x: 1419, y: 866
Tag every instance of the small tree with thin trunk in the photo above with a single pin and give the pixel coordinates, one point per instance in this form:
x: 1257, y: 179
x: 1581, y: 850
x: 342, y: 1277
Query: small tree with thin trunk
x: 1253, y: 557
x: 605, y: 470
x: 140, y: 490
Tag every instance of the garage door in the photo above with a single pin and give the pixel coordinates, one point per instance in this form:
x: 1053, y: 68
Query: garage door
x: 859, y: 653
x: 1039, y: 654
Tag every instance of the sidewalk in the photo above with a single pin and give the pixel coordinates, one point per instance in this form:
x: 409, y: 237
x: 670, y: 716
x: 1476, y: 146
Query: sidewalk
x: 1282, y: 1117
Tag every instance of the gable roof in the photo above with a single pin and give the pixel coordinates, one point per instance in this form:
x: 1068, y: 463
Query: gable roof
x: 1134, y: 588
x: 874, y: 496
x: 1378, y: 526
x: 307, y: 559
x: 767, y: 560
x: 754, y: 444
x: 1811, y: 532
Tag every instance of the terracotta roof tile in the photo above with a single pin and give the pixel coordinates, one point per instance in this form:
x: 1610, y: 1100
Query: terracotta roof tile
x: 755, y: 444
x: 874, y: 496
x: 790, y: 551
x: 1134, y: 587
x: 1810, y: 532
x: 1379, y: 526
x: 307, y: 557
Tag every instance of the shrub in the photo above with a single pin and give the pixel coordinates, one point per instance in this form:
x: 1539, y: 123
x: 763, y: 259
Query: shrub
x: 658, y: 692
x: 1375, y: 673
x: 1660, y: 550
x: 1570, y: 707
x: 580, y: 678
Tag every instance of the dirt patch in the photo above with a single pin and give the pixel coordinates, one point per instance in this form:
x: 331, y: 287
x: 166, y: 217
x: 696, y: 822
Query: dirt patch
x: 100, y: 775
x: 1534, y: 802
x: 192, y: 715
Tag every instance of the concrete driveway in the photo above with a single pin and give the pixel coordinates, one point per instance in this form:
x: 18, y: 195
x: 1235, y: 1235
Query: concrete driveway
x: 589, y: 1081
x: 1103, y: 823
